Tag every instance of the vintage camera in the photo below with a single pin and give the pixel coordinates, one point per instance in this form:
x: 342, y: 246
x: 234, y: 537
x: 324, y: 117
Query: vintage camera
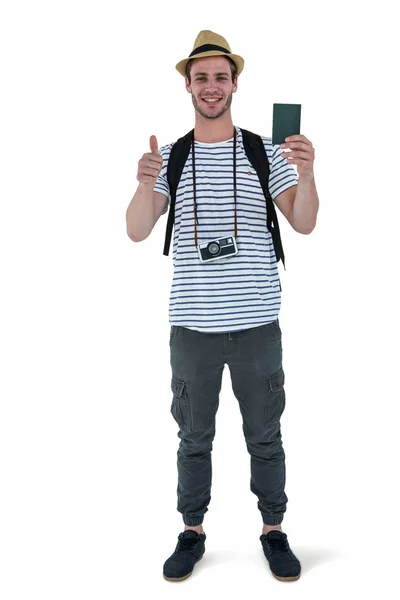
x: 221, y: 248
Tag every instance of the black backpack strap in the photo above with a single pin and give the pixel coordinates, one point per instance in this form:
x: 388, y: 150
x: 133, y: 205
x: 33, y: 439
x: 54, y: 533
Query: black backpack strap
x: 255, y: 151
x: 179, y: 153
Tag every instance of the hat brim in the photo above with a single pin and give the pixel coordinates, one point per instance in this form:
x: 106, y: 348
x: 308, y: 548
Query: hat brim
x: 238, y: 60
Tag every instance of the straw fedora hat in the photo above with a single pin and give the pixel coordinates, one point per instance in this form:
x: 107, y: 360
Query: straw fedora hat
x: 209, y: 43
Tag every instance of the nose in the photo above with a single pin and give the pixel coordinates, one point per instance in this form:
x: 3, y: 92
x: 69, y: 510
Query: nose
x: 211, y: 88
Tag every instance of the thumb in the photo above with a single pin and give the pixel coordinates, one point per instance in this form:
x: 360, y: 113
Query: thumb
x: 153, y: 144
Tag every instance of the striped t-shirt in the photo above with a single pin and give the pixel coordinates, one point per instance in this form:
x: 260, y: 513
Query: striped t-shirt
x: 237, y: 292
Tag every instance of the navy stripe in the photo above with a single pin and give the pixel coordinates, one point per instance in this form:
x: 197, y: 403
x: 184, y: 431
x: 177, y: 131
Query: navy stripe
x: 212, y: 302
x: 245, y: 312
x: 220, y: 270
x: 257, y: 293
x: 214, y: 289
x: 253, y: 238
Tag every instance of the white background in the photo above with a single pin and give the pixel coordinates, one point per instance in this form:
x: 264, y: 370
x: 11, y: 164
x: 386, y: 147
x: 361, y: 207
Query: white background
x: 88, y: 446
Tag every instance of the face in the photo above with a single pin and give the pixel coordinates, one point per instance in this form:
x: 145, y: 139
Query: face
x: 211, y: 86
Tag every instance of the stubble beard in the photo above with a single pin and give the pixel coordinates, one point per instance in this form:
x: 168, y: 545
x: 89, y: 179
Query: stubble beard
x: 222, y: 110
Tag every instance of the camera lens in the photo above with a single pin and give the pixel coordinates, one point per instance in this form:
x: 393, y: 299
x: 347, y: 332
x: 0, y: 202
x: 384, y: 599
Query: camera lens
x: 213, y: 248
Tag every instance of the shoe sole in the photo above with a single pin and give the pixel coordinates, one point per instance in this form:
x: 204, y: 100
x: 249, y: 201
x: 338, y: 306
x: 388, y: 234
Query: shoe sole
x: 184, y: 577
x: 286, y: 578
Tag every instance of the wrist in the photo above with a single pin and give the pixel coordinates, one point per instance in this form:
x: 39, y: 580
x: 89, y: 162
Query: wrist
x: 307, y: 177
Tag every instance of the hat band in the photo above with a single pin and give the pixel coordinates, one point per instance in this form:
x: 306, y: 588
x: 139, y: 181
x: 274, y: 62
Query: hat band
x: 207, y: 47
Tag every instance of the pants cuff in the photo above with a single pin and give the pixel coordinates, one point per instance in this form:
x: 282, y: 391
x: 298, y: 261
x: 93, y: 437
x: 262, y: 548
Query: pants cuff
x: 272, y: 520
x: 193, y: 520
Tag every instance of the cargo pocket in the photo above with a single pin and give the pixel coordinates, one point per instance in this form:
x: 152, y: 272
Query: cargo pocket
x: 180, y: 404
x: 276, y: 400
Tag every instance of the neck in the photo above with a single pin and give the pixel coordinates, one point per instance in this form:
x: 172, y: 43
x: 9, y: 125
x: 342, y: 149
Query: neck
x: 211, y: 131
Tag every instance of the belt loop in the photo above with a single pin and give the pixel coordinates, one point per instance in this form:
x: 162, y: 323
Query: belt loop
x: 229, y: 335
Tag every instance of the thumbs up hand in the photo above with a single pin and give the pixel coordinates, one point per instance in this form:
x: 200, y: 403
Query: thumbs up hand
x: 150, y: 164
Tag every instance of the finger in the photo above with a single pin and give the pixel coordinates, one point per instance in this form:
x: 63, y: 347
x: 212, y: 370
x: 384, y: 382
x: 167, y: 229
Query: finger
x: 297, y: 138
x: 301, y: 162
x: 149, y: 157
x: 150, y: 161
x: 296, y: 146
x: 298, y: 154
x: 149, y: 171
x: 153, y: 144
x: 156, y: 159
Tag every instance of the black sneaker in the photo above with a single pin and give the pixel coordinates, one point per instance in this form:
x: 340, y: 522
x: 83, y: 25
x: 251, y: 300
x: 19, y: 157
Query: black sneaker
x: 283, y: 563
x: 189, y: 549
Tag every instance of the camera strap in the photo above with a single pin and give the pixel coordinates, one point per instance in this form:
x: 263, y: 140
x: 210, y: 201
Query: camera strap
x: 194, y: 187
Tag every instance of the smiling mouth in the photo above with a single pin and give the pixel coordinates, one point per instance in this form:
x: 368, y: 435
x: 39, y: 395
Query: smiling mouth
x: 211, y: 101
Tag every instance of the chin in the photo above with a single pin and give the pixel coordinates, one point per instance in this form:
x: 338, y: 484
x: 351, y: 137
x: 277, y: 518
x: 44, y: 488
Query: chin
x: 210, y: 115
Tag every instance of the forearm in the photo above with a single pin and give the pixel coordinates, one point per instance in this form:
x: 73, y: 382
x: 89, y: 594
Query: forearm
x: 140, y: 213
x: 306, y: 204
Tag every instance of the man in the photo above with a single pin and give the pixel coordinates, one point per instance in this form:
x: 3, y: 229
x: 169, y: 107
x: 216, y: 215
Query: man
x: 225, y: 310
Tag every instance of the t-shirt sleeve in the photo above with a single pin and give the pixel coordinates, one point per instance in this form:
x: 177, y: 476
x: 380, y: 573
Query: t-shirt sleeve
x: 282, y: 175
x: 161, y: 184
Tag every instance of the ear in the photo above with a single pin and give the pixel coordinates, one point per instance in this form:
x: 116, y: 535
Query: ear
x: 188, y: 85
x: 235, y: 84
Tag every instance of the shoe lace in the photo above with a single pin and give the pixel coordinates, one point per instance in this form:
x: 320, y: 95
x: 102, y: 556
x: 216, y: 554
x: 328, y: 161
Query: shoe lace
x: 279, y: 545
x: 186, y: 544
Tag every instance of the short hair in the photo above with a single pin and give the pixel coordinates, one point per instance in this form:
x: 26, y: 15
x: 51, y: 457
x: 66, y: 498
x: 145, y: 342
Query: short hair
x: 231, y: 64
